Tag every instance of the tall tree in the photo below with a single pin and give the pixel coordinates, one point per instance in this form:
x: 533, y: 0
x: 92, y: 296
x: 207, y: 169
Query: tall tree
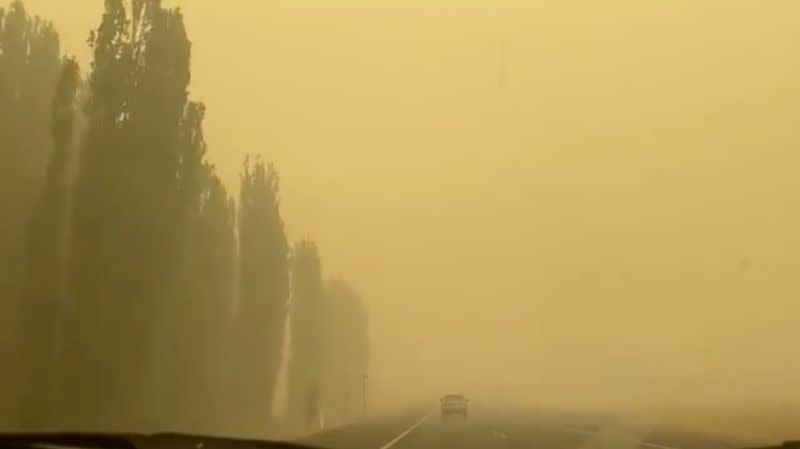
x: 203, y: 289
x: 210, y: 265
x: 305, y: 359
x: 43, y: 292
x: 345, y: 350
x: 29, y: 67
x: 30, y: 62
x: 263, y: 290
x: 127, y: 213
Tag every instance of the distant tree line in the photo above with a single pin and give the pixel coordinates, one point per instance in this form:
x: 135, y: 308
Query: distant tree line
x: 135, y: 292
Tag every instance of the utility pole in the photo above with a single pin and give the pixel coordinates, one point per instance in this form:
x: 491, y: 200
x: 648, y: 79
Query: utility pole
x: 364, y: 393
x: 501, y: 72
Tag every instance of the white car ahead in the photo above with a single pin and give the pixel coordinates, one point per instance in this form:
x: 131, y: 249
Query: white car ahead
x: 454, y: 405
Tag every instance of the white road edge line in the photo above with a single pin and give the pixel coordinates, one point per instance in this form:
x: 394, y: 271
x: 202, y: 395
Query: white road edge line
x: 399, y: 437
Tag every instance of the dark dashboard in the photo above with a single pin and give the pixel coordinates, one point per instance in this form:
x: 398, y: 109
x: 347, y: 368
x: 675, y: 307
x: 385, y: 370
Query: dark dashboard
x: 135, y: 441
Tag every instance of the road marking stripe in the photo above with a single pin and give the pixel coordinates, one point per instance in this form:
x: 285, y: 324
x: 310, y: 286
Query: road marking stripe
x: 500, y: 435
x: 399, y: 437
x: 657, y: 446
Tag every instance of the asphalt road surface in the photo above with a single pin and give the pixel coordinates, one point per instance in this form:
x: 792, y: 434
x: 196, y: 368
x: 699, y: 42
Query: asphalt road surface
x: 505, y: 429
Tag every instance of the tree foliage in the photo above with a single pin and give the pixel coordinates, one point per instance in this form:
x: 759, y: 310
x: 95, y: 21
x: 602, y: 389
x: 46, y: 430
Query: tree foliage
x: 30, y: 62
x: 263, y: 290
x: 42, y: 297
x: 345, y: 354
x: 127, y: 207
x: 305, y: 361
x: 192, y: 320
x: 142, y: 297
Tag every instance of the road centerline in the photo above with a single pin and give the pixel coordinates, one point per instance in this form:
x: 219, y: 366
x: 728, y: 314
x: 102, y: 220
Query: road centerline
x: 406, y: 432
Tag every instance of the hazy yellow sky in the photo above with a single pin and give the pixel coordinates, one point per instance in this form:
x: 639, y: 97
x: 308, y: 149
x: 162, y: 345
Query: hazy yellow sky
x: 621, y: 217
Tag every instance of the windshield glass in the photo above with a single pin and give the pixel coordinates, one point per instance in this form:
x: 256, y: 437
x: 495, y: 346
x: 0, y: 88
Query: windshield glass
x: 271, y: 219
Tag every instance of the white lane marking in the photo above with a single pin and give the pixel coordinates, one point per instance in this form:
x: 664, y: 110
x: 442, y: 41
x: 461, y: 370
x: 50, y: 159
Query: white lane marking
x: 656, y: 446
x: 399, y: 437
x: 500, y: 435
x: 595, y: 432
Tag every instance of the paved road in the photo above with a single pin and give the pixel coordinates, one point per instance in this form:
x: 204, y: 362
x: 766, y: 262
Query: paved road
x: 505, y: 429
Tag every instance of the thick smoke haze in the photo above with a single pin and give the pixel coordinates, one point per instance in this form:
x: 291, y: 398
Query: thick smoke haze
x: 615, y: 224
